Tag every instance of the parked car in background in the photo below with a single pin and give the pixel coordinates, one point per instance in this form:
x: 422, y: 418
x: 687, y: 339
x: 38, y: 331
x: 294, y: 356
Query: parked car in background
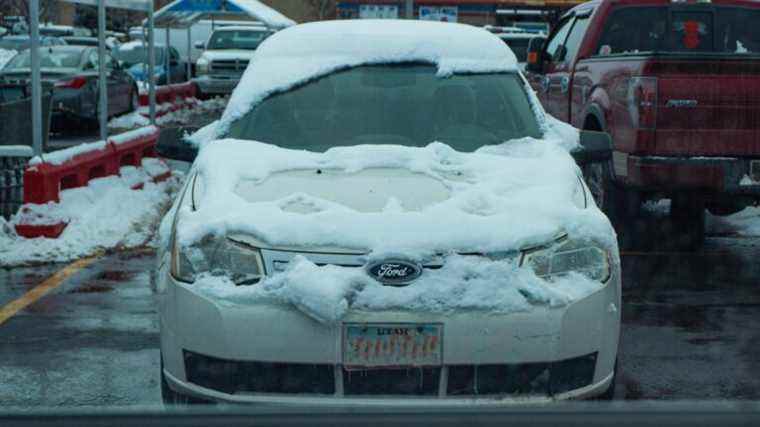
x: 64, y: 30
x: 23, y: 42
x: 677, y: 86
x: 72, y: 74
x: 133, y: 57
x: 111, y: 42
x: 226, y: 57
x: 517, y: 39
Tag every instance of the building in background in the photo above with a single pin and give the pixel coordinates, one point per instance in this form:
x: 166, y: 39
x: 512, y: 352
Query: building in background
x: 530, y: 14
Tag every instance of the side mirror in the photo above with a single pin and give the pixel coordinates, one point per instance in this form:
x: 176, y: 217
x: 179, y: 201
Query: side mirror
x: 199, y: 45
x: 594, y: 147
x: 536, y: 54
x: 172, y: 145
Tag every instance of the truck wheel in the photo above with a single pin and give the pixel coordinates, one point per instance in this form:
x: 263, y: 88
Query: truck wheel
x: 688, y: 216
x: 620, y: 205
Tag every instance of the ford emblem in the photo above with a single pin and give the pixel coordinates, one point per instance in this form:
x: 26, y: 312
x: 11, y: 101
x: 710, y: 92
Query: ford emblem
x: 394, y: 272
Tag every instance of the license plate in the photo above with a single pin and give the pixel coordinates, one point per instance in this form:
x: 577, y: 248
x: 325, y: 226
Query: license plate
x: 391, y: 345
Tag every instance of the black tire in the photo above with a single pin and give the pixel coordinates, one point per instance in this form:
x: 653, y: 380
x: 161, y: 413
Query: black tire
x: 687, y: 212
x: 171, y: 397
x: 609, y: 393
x: 621, y: 206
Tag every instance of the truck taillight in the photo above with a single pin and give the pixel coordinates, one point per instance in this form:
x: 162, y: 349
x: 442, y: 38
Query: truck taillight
x: 73, y: 83
x: 642, y: 102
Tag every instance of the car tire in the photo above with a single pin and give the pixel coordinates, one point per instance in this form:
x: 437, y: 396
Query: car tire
x: 687, y: 213
x: 171, y: 397
x: 621, y: 206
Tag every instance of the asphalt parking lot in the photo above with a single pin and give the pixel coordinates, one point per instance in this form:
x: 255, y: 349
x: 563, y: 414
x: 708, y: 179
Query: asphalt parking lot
x: 691, y: 322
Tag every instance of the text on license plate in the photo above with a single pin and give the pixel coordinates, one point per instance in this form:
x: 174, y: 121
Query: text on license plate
x: 391, y: 345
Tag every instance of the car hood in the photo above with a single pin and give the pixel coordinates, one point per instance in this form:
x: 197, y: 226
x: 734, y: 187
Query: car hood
x: 228, y: 54
x: 366, y: 191
x: 375, y: 198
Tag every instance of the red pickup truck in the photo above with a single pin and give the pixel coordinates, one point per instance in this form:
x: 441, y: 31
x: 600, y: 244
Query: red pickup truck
x: 677, y: 86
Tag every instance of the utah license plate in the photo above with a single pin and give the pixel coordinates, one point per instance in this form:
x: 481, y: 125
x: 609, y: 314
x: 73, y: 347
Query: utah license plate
x: 391, y: 345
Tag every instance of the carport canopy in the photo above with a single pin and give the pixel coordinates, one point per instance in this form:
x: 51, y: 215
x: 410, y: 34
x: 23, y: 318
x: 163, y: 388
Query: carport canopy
x: 184, y: 13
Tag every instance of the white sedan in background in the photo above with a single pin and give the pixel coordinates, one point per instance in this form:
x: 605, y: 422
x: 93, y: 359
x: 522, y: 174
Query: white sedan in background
x: 384, y: 215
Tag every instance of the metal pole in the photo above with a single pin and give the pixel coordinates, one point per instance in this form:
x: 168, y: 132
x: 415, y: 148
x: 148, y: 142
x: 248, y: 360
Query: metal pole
x: 189, y: 55
x: 34, y: 15
x: 409, y: 9
x: 102, y: 77
x: 151, y: 66
x: 167, y: 59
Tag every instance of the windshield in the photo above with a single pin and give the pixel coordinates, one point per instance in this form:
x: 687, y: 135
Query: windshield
x: 237, y: 39
x: 406, y: 105
x: 48, y: 59
x: 717, y: 29
x: 135, y: 54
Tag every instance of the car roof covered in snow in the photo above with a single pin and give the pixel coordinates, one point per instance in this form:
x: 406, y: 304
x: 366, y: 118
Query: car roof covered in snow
x: 305, y: 52
x: 252, y: 27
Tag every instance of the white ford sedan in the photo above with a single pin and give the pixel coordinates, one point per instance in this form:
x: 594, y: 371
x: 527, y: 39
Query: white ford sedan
x: 384, y: 215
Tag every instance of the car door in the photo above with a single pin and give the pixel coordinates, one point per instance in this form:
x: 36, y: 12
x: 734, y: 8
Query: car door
x: 553, y: 83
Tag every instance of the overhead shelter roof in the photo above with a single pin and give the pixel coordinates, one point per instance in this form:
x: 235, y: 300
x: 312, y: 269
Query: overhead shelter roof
x: 143, y: 5
x: 184, y: 13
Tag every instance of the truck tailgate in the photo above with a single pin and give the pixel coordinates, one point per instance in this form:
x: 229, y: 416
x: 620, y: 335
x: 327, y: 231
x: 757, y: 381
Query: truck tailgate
x: 707, y: 107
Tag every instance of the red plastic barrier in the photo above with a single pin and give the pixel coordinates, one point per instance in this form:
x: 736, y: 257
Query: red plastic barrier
x: 43, y: 182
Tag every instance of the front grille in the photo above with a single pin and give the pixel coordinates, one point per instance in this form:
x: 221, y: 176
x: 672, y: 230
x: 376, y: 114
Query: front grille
x: 232, y: 377
x: 412, y: 381
x: 528, y: 379
x: 229, y: 65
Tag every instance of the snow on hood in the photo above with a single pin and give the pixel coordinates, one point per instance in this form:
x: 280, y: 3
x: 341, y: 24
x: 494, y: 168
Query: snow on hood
x: 308, y: 51
x: 498, y: 198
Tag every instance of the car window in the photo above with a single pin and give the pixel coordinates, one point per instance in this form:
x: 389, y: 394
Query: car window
x: 576, y: 37
x: 49, y: 58
x: 557, y: 40
x: 722, y: 29
x: 237, y: 39
x: 407, y: 105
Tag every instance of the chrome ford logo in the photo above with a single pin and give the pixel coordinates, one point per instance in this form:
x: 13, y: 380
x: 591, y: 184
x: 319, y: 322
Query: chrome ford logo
x: 394, y: 272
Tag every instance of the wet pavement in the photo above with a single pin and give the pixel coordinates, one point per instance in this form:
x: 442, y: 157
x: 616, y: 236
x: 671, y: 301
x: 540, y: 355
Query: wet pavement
x: 691, y: 322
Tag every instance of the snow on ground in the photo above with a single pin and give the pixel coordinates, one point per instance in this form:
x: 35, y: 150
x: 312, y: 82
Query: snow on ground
x: 745, y: 223
x: 5, y: 56
x: 106, y: 214
x: 135, y: 119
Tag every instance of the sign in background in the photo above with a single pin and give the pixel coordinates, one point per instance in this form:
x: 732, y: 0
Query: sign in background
x: 439, y: 13
x: 378, y: 11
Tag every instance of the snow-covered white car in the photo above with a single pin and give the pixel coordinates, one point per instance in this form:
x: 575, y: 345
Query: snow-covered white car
x: 384, y: 215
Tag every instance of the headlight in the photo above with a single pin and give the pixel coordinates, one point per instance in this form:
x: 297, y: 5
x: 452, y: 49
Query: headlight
x: 566, y: 256
x: 218, y: 256
x: 201, y: 66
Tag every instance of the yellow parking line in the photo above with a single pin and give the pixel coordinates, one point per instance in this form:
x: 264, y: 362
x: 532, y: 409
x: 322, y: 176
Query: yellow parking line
x: 10, y: 309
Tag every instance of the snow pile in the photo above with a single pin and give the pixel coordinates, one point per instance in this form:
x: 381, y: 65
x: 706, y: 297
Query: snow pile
x: 327, y: 293
x: 183, y: 116
x: 62, y: 156
x: 5, y: 56
x: 306, y: 52
x: 106, y: 214
x: 745, y: 223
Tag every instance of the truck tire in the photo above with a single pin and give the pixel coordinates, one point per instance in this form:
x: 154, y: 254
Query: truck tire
x: 687, y: 212
x: 621, y: 206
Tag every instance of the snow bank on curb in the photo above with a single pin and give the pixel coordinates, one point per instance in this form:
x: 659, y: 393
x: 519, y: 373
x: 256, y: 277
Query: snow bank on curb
x: 182, y: 116
x: 328, y: 293
x: 104, y: 215
x: 745, y: 223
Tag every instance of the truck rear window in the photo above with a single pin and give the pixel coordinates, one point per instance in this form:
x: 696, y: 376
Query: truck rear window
x: 681, y: 30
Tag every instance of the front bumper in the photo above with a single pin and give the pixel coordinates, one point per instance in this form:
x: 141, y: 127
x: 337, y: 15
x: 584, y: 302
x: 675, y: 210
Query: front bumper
x: 282, y: 337
x: 709, y: 175
x: 217, y: 84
